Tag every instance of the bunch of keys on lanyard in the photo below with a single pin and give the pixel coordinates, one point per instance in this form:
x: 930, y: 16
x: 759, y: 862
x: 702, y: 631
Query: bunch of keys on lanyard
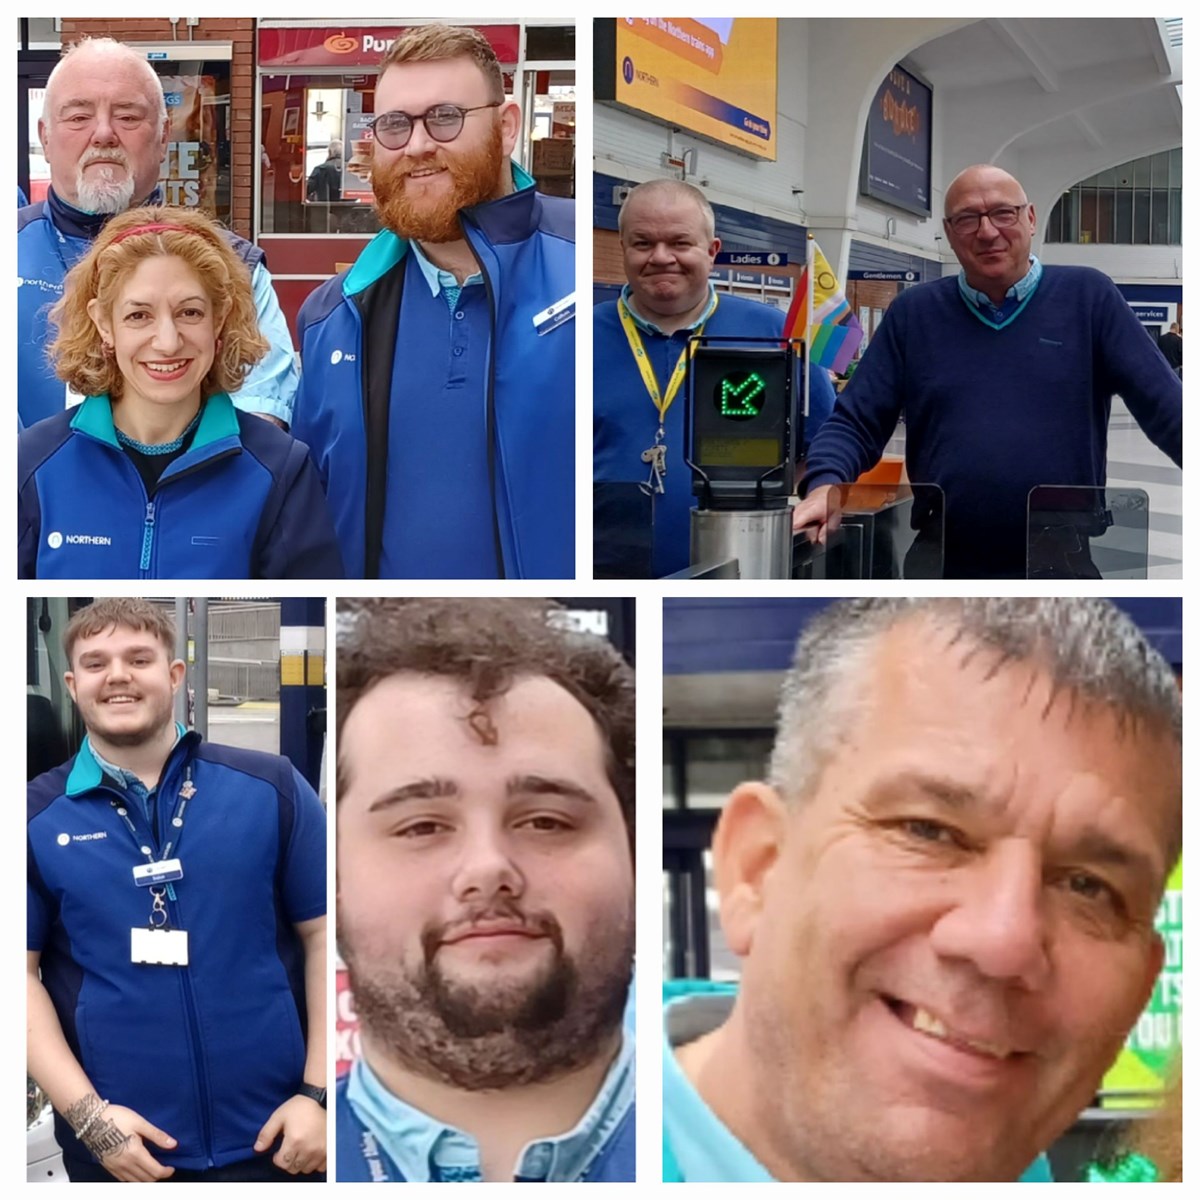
x: 656, y: 456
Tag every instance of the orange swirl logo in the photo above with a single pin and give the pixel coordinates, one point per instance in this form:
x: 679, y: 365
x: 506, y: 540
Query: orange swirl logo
x: 339, y: 43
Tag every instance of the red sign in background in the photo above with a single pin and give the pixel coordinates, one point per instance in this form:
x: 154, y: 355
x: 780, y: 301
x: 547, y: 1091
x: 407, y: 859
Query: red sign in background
x: 359, y: 46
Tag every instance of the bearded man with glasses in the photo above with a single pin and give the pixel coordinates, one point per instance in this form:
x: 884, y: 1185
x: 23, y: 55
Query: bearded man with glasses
x: 438, y: 390
x: 1005, y: 375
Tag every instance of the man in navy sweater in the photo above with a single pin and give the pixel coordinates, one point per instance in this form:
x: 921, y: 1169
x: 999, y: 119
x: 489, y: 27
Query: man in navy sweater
x: 485, y: 894
x: 669, y: 243
x: 1005, y: 375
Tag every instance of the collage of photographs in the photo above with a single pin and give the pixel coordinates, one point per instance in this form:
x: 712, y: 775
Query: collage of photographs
x: 345, y: 691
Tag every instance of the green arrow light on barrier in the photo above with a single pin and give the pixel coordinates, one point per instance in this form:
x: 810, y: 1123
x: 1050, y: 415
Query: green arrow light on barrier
x: 739, y: 399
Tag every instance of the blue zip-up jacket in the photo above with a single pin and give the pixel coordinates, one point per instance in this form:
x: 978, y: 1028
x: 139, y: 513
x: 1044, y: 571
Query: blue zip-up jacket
x: 244, y: 502
x: 208, y: 1051
x: 51, y: 238
x: 349, y: 338
x: 360, y: 1158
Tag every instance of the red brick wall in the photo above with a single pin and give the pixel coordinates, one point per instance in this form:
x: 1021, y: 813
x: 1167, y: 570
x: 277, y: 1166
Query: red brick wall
x: 239, y: 31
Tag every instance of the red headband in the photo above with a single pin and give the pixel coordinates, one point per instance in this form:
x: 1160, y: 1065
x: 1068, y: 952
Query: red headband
x: 155, y: 228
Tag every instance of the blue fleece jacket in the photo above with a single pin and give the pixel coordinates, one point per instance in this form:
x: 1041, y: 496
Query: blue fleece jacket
x: 243, y: 502
x: 358, y: 326
x: 992, y: 413
x: 624, y: 422
x: 51, y: 238
x: 209, y: 1050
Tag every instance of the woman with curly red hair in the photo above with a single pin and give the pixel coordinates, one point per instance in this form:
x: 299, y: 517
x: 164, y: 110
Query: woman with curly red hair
x: 155, y: 474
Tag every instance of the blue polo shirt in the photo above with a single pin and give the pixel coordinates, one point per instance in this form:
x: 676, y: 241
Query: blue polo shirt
x: 425, y: 1150
x: 438, y: 518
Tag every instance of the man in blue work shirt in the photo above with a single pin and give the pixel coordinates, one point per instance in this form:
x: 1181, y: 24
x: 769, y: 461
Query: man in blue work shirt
x: 104, y: 131
x: 485, y: 894
x: 176, y: 932
x: 943, y: 900
x: 438, y: 385
x: 669, y: 244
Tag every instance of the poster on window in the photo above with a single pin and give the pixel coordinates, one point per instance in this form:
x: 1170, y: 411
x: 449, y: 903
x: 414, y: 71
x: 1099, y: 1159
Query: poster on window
x: 357, y: 157
x: 189, y: 171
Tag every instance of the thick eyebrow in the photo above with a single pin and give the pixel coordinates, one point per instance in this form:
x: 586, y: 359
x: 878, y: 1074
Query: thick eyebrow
x: 420, y: 789
x: 544, y: 785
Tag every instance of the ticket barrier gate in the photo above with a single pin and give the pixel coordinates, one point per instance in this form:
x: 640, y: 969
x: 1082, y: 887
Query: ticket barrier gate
x: 886, y: 531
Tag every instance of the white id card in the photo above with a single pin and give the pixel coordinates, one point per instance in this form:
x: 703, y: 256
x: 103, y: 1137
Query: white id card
x: 159, y: 947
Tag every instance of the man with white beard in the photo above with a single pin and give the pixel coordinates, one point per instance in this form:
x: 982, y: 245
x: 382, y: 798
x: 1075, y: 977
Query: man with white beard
x: 104, y: 133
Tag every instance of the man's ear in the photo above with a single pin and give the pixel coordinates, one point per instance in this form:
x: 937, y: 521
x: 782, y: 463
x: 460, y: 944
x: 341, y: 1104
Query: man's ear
x: 510, y: 126
x: 69, y: 680
x: 178, y: 670
x: 745, y: 848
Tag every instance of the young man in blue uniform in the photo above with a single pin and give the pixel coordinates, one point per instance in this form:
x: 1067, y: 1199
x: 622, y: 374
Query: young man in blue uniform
x: 669, y: 244
x: 104, y: 132
x: 485, y: 894
x: 943, y: 900
x: 438, y: 390
x: 1005, y: 376
x: 176, y: 932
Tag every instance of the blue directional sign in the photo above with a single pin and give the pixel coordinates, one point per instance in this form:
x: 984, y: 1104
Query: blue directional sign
x: 885, y: 276
x: 752, y: 258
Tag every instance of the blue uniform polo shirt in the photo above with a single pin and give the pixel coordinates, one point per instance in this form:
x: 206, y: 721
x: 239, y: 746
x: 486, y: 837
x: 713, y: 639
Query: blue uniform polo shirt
x: 437, y: 523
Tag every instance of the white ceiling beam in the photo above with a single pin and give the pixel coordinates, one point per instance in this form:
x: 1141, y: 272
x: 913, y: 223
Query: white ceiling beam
x: 1017, y: 38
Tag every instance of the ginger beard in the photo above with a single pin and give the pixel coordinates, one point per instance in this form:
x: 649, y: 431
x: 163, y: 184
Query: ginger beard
x: 502, y: 1033
x: 476, y: 179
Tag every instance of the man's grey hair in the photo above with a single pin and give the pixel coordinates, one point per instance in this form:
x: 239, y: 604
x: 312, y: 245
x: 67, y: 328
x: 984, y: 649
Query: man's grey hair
x: 1088, y: 647
x: 335, y: 147
x: 674, y: 189
x: 111, y: 49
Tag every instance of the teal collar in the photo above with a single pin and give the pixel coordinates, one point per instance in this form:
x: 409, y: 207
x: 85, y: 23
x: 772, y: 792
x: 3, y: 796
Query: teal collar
x: 386, y: 248
x: 89, y: 769
x: 649, y: 326
x: 1014, y: 301
x: 218, y: 419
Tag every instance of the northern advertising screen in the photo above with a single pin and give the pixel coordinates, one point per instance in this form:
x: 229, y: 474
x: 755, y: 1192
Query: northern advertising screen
x: 715, y: 76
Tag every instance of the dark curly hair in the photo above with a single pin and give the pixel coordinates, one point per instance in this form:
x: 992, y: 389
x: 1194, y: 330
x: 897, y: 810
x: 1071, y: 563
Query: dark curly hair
x: 487, y: 644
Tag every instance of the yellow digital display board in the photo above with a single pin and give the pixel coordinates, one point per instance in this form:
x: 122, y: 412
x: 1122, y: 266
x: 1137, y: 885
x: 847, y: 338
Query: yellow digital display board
x: 713, y: 75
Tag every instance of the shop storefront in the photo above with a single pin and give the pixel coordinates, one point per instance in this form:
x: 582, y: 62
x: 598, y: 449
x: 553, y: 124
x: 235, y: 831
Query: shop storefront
x: 316, y: 84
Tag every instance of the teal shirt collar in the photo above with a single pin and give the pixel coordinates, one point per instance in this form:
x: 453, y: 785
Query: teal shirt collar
x: 89, y: 768
x: 649, y: 326
x: 1015, y: 298
x: 425, y: 1150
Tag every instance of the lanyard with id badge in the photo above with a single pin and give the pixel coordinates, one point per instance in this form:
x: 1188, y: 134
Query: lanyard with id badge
x: 156, y: 943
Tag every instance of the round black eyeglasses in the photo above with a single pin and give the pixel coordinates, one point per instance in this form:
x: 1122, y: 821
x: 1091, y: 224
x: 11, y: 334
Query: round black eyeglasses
x: 443, y: 123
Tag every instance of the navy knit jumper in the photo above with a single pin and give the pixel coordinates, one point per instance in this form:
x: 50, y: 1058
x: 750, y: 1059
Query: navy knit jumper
x: 991, y: 413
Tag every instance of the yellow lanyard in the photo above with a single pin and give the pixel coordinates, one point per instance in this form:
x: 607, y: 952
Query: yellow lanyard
x: 633, y: 335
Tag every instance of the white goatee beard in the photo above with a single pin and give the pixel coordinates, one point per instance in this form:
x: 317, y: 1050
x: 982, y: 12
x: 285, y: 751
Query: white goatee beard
x: 104, y: 195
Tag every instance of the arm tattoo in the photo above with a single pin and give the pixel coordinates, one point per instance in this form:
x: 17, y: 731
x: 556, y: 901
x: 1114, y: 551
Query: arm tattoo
x: 99, y: 1134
